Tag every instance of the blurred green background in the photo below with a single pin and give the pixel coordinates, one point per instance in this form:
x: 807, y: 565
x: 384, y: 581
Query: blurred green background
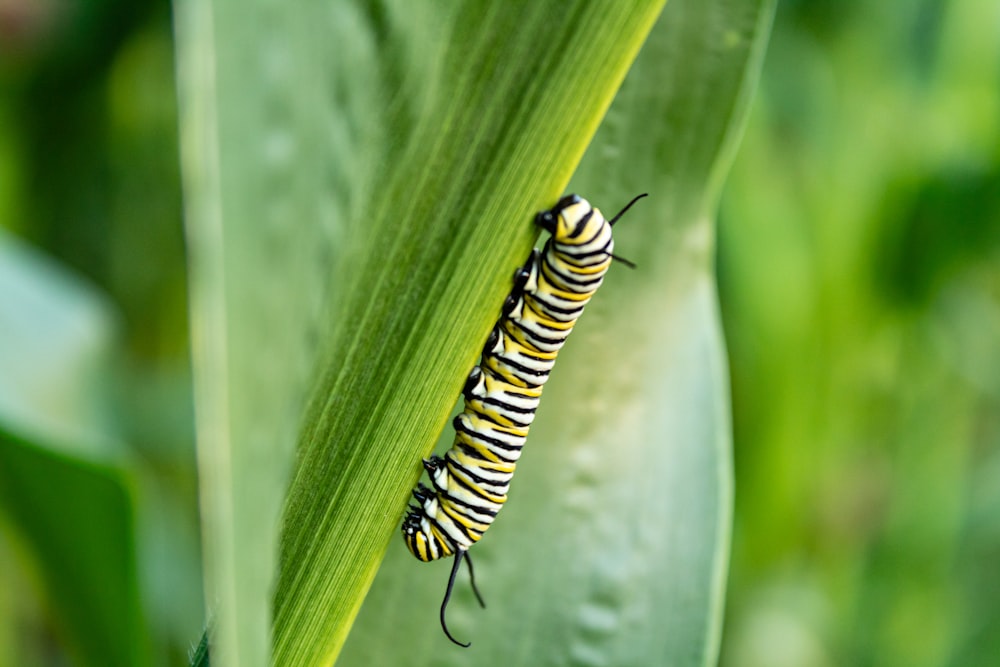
x: 89, y: 180
x: 858, y: 252
x: 858, y: 242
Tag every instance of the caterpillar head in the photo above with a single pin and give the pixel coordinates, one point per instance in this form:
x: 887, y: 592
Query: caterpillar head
x: 567, y: 219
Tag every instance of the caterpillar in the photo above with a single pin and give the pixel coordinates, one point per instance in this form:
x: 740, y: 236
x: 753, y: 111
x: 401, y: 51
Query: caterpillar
x: 469, y: 483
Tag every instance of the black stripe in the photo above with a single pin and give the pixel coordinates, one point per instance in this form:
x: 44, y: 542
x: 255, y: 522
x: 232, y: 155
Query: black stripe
x: 507, y: 406
x: 549, y: 287
x: 479, y: 409
x: 568, y: 250
x: 458, y: 524
x: 572, y: 279
x: 533, y: 307
x: 520, y: 367
x: 534, y: 355
x: 508, y: 390
x: 539, y: 323
x: 573, y: 259
x: 483, y: 522
x: 581, y: 241
x: 508, y: 420
x: 562, y: 334
x: 552, y: 308
x: 511, y: 377
x: 531, y: 334
x: 481, y: 494
x: 478, y: 479
x: 594, y: 268
x: 471, y: 451
x: 451, y: 544
x: 582, y: 223
x: 513, y: 391
x: 516, y: 378
x: 459, y: 426
x: 479, y: 511
x: 554, y: 275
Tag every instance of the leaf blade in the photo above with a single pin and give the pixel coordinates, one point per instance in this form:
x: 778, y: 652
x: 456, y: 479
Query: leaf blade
x: 430, y: 334
x: 598, y: 556
x: 281, y: 234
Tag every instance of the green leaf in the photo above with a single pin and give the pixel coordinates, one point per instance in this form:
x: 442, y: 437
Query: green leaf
x: 63, y: 485
x: 613, y: 547
x: 360, y: 183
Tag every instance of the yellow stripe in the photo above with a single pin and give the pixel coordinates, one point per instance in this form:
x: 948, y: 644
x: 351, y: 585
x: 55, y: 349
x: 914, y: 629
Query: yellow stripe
x: 454, y: 511
x: 477, y: 446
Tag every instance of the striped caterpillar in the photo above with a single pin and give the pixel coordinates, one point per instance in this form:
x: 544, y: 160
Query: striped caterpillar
x: 469, y: 483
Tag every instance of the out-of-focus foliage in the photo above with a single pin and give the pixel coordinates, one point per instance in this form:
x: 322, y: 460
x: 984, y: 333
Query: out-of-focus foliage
x: 858, y: 260
x: 99, y: 539
x: 88, y: 159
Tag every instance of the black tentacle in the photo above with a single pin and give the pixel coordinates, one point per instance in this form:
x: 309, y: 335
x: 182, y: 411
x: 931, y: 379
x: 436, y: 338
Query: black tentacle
x: 615, y: 219
x: 472, y: 578
x: 459, y: 554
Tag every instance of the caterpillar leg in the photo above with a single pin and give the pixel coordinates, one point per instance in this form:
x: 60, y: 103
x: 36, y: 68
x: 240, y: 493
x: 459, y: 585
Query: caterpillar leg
x: 523, y: 274
x: 438, y: 472
x: 433, y: 464
x: 524, y: 281
x: 422, y: 494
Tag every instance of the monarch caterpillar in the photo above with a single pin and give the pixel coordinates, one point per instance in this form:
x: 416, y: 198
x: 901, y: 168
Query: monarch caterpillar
x: 470, y: 482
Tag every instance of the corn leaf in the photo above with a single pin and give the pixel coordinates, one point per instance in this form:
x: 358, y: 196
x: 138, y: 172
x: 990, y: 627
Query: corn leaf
x: 360, y: 182
x: 613, y: 547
